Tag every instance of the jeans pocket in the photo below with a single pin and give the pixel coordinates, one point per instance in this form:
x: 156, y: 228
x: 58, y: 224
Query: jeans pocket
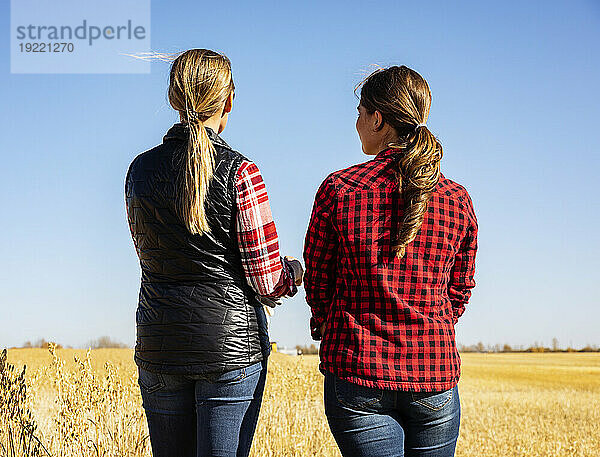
x: 355, y: 396
x: 434, y: 401
x: 150, y: 382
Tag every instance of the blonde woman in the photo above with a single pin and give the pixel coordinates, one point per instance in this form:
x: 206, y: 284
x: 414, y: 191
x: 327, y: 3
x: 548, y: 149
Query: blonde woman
x: 390, y: 258
x: 202, y: 228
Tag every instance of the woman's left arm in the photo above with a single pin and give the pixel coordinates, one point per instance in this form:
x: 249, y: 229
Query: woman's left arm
x: 266, y: 271
x: 463, y: 271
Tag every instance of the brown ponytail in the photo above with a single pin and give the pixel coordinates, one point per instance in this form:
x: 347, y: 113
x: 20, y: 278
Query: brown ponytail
x: 200, y: 81
x: 403, y: 98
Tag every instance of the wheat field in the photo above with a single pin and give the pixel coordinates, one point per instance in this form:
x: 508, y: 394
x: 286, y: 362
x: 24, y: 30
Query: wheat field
x: 78, y: 403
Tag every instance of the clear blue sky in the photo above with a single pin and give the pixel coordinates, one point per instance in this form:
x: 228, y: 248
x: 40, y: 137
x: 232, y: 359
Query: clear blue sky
x: 516, y: 105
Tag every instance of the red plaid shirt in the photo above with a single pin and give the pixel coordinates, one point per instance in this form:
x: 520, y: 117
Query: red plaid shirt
x: 265, y: 270
x: 389, y: 322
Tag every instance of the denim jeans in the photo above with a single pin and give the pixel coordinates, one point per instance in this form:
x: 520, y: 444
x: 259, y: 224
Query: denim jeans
x: 387, y: 423
x: 203, y: 415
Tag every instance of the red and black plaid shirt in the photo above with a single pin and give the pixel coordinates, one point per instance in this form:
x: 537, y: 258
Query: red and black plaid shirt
x: 389, y: 322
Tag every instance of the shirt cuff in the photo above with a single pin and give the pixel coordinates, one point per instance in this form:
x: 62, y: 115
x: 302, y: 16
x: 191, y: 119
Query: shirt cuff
x: 457, y: 312
x: 287, y: 267
x: 315, y: 327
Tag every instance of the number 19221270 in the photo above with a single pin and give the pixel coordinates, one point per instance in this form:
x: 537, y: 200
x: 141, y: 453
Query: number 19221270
x: 46, y: 47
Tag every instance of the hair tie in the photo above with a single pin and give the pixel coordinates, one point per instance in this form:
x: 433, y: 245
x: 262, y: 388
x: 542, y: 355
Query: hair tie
x: 422, y: 124
x: 193, y: 115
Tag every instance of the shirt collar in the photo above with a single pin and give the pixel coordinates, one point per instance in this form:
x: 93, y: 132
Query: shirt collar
x: 387, y: 153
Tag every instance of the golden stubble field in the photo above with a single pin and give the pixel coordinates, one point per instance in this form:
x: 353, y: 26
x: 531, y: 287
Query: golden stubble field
x: 512, y: 405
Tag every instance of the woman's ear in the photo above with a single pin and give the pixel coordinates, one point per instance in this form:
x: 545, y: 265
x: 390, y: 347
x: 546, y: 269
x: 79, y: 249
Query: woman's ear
x: 228, y: 103
x: 377, y: 121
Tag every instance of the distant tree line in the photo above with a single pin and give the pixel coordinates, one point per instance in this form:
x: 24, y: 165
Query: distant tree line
x: 535, y: 347
x: 106, y: 342
x: 102, y: 342
x: 41, y: 343
x: 307, y: 350
x: 480, y: 347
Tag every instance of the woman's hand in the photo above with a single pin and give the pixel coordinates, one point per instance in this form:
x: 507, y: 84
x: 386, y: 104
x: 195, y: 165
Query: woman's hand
x: 322, y: 329
x: 298, y: 269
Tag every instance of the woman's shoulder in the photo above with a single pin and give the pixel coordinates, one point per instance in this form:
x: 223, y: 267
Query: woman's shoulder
x: 227, y: 154
x: 451, y: 190
x: 358, y: 176
x: 148, y: 158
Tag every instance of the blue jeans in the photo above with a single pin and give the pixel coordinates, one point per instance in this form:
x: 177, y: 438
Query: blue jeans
x: 203, y: 415
x: 388, y: 423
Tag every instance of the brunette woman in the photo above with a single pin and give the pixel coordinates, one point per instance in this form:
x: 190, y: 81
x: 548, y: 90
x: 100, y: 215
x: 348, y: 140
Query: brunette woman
x: 390, y: 258
x: 208, y: 248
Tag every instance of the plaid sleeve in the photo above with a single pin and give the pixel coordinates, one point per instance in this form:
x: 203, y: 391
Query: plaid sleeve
x: 265, y: 270
x: 463, y: 271
x: 320, y: 256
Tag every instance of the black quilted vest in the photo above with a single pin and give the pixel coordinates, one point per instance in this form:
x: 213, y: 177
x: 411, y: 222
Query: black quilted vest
x: 196, y: 312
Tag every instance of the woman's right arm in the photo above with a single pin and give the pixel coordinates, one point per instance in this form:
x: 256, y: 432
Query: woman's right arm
x: 320, y: 257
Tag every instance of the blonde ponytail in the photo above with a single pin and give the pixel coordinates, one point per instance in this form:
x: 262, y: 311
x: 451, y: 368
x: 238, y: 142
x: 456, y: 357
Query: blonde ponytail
x: 197, y: 174
x: 200, y: 82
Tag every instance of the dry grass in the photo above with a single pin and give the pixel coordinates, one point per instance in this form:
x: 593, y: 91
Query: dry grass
x: 513, y: 405
x: 530, y: 405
